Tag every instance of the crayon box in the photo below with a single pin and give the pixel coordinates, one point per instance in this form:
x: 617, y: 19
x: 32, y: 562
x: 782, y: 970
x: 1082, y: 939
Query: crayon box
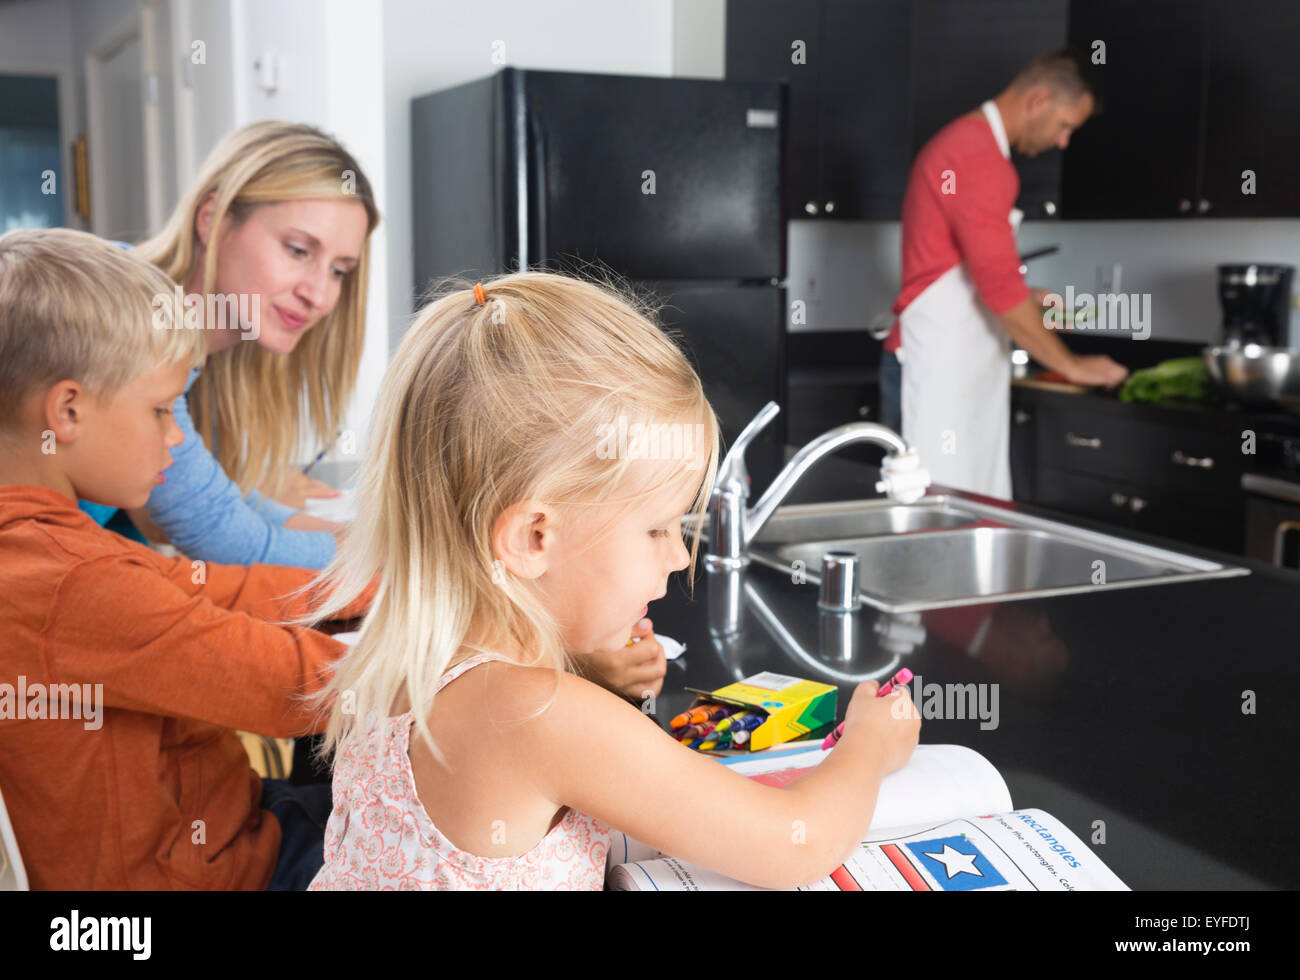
x: 793, y: 706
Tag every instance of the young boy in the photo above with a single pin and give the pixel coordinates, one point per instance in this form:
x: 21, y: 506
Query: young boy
x: 122, y: 673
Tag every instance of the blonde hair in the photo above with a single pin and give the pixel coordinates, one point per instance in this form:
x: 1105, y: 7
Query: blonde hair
x: 74, y: 307
x: 486, y: 405
x: 250, y: 397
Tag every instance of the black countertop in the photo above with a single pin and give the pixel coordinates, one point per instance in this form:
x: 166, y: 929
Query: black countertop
x: 1218, y: 414
x: 1118, y: 711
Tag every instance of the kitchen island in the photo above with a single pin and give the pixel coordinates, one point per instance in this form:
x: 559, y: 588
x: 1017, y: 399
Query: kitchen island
x: 1159, y: 723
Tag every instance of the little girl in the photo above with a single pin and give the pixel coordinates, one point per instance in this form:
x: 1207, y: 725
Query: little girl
x: 510, y: 527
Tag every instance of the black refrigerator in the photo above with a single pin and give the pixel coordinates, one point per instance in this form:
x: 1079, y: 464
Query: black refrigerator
x: 675, y: 184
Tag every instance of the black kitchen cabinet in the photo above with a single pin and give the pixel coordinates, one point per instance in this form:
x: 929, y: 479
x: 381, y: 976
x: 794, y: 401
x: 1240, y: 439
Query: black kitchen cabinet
x: 833, y: 377
x: 1024, y: 452
x: 1252, y: 99
x: 1113, y: 463
x: 964, y: 53
x: 1138, y: 156
x: 846, y: 63
x: 1194, y: 93
x: 881, y: 77
x: 865, y: 121
x: 762, y: 36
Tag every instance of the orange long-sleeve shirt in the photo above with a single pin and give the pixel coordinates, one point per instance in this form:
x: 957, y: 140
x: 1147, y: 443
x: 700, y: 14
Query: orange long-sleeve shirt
x: 161, y: 796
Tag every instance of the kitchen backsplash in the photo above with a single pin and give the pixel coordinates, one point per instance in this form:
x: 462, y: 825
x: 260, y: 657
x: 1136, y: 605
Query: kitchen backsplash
x: 847, y: 272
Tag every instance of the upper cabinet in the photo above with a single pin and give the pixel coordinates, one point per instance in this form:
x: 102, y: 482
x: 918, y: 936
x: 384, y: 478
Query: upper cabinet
x: 1197, y: 99
x: 864, y: 123
x: 845, y: 62
x: 1252, y: 103
x: 964, y: 52
x: 1137, y: 157
x: 1195, y: 102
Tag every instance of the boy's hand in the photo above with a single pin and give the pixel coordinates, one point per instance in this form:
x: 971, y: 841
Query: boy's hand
x: 145, y: 525
x: 633, y: 672
x: 302, y: 521
x: 295, y: 487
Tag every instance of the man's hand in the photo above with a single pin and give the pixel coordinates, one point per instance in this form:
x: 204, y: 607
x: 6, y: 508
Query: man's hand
x: 634, y: 672
x: 1024, y: 322
x: 1095, y: 370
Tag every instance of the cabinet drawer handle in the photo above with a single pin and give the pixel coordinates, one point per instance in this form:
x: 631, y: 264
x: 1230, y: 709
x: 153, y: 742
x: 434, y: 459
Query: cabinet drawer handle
x: 1182, y: 459
x: 1118, y: 499
x: 1137, y: 504
x: 1022, y: 416
x: 1184, y: 205
x: 811, y: 207
x: 1279, y: 539
x: 1073, y: 440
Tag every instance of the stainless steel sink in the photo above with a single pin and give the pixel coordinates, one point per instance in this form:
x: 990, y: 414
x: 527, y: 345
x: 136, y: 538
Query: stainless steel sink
x: 949, y: 551
x: 860, y: 519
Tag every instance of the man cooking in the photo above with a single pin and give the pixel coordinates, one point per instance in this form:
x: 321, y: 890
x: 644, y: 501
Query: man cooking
x: 963, y: 300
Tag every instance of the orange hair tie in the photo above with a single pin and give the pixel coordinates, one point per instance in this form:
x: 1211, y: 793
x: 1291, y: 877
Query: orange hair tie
x: 478, y: 292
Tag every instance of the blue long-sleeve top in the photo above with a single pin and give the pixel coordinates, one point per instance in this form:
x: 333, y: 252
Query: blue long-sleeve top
x: 203, y: 514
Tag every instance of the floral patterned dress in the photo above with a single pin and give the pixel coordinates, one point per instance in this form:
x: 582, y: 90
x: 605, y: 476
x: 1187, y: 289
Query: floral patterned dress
x: 380, y: 837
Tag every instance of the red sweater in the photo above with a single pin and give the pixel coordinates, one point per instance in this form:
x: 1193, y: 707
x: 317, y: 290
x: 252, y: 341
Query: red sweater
x: 956, y: 209
x: 160, y: 796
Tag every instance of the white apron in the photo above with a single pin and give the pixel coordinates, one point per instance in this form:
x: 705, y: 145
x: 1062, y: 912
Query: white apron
x: 957, y: 377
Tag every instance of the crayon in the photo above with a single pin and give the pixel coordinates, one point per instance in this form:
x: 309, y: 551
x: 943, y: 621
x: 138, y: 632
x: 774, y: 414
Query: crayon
x: 733, y: 719
x: 902, y: 677
x: 695, y: 731
x: 701, y: 713
x: 748, y: 723
x: 718, y: 740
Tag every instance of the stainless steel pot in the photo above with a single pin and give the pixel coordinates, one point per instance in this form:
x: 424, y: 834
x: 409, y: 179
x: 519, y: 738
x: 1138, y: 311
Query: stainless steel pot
x: 1259, y: 375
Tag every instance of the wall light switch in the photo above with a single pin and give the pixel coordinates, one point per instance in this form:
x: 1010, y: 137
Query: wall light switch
x: 1108, y: 278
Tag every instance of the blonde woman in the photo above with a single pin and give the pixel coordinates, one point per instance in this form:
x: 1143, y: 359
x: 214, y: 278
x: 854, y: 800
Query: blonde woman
x: 271, y: 242
x: 513, y: 521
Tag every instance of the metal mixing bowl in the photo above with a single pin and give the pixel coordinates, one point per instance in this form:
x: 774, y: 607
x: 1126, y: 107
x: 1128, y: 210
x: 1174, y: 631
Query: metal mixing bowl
x: 1255, y: 374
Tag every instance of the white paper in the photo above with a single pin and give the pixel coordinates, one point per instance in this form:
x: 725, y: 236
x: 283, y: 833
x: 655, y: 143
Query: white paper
x: 341, y: 509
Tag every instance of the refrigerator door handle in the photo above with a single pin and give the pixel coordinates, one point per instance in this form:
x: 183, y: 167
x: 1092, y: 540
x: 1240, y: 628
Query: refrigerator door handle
x: 537, y: 182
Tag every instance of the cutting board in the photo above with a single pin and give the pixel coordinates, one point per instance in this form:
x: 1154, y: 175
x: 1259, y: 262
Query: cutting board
x: 1051, y: 381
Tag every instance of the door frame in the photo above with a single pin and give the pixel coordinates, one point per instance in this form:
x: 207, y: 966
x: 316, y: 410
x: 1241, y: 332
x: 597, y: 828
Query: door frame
x: 142, y: 25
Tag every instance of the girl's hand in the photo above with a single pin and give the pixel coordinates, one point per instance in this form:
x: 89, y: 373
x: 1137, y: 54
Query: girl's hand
x: 892, y: 722
x: 580, y: 747
x: 635, y: 672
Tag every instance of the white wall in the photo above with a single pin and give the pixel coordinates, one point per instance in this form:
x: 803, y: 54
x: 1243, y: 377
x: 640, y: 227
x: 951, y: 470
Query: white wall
x: 35, y: 32
x: 330, y: 73
x: 699, y: 38
x: 354, y: 51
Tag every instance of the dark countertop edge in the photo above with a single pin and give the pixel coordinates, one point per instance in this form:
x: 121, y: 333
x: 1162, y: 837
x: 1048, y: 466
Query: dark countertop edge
x: 1226, y: 417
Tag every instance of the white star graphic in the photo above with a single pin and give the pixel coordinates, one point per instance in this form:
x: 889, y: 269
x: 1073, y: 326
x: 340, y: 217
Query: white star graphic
x: 956, y: 862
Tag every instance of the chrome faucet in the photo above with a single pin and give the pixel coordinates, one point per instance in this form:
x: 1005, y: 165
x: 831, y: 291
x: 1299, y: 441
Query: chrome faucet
x: 733, y: 526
